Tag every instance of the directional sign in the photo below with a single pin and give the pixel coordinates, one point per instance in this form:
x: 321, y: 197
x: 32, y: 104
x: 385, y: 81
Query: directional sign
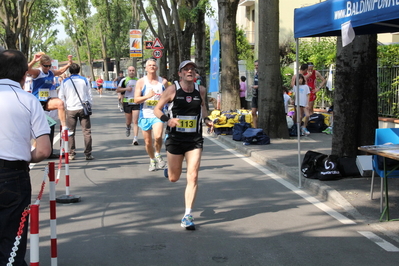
x: 157, y: 44
x: 157, y: 54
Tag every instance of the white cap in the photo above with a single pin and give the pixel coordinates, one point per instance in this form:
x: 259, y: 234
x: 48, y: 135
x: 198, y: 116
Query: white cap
x: 185, y: 63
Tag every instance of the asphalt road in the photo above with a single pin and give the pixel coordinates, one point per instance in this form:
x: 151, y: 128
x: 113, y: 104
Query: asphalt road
x: 245, y: 214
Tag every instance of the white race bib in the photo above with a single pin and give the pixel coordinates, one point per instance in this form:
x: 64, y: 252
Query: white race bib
x: 187, y: 124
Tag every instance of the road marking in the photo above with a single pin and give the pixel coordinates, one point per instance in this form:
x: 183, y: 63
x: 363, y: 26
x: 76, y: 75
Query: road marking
x: 341, y: 218
x: 379, y: 241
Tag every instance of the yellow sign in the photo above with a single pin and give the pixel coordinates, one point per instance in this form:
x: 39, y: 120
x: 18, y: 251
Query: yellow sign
x: 135, y: 44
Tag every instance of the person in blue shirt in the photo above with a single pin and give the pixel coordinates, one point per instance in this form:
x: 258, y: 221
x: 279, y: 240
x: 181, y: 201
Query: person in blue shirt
x: 43, y: 82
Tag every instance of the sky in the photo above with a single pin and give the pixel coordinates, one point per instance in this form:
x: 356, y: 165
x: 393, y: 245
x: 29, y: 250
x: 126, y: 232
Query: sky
x: 62, y: 35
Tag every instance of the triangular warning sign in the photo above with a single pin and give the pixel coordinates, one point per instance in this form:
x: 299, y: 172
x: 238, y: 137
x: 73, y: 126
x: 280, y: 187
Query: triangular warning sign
x: 157, y: 44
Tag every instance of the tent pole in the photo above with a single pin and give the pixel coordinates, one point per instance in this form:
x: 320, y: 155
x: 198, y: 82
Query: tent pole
x: 298, y: 114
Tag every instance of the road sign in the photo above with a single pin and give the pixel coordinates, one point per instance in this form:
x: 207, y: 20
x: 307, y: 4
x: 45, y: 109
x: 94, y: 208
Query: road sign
x: 148, y: 44
x: 157, y: 53
x: 157, y: 44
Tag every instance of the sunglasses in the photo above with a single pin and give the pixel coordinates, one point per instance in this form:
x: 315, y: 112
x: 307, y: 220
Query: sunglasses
x: 189, y: 68
x: 46, y: 65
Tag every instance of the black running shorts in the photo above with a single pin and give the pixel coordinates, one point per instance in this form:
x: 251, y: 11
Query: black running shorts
x: 181, y: 147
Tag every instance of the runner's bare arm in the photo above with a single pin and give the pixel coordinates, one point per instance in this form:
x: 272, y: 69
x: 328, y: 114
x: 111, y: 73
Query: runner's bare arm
x: 64, y: 68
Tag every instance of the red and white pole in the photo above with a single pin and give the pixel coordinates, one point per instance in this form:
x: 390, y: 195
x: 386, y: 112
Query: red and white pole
x: 34, y: 235
x: 67, y: 198
x: 53, y: 218
x: 66, y: 148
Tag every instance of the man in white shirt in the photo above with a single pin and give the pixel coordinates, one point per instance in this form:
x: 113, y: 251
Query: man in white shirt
x: 23, y: 119
x: 73, y: 91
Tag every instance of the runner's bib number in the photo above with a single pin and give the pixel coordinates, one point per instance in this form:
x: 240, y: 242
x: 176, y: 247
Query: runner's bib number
x: 129, y: 100
x: 151, y: 103
x: 187, y: 124
x: 44, y: 94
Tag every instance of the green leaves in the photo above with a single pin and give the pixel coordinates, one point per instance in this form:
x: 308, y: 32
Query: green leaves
x: 388, y: 55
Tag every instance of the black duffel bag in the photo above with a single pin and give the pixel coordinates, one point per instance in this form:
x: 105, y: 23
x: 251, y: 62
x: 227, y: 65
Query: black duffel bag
x: 308, y: 167
x: 316, y: 165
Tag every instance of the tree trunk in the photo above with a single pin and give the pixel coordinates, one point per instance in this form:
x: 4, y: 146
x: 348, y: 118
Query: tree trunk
x: 200, y: 51
x: 271, y: 114
x: 104, y: 54
x: 355, y: 102
x: 229, y: 83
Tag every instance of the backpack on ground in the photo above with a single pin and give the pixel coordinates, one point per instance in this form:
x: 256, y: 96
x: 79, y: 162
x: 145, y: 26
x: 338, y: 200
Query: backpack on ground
x: 316, y: 123
x: 239, y: 129
x: 255, y: 136
x: 348, y: 167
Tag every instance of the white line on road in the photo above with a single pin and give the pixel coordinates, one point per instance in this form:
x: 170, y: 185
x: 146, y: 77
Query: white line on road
x: 341, y: 218
x: 379, y: 241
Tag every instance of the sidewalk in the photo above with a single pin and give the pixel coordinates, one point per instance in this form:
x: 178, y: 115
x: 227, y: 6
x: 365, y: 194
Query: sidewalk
x: 350, y: 194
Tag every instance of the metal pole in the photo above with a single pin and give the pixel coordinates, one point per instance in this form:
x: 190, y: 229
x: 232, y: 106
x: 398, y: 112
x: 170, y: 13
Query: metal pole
x: 298, y: 114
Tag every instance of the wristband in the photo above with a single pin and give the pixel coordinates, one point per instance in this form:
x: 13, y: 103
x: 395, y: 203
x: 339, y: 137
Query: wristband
x: 164, y: 118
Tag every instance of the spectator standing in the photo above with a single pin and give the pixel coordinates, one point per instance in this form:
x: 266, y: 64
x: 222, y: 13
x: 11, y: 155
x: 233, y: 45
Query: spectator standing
x: 302, y: 70
x: 243, y: 91
x: 304, y: 94
x: 126, y: 88
x: 184, y: 129
x: 25, y: 120
x: 198, y: 78
x: 147, y: 93
x: 286, y: 98
x: 73, y: 88
x: 311, y: 76
x: 255, y: 96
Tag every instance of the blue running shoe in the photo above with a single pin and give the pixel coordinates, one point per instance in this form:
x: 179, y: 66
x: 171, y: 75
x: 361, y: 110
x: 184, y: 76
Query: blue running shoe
x: 187, y: 222
x: 165, y: 173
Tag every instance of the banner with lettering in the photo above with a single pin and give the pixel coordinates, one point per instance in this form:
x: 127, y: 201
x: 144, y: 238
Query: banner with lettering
x: 215, y: 56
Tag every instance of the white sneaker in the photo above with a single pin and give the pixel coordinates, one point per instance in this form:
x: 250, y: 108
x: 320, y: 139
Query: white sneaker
x: 305, y: 131
x: 152, y: 166
x: 160, y: 162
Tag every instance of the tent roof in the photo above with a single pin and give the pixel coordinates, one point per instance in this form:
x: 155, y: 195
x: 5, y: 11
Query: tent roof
x: 366, y: 16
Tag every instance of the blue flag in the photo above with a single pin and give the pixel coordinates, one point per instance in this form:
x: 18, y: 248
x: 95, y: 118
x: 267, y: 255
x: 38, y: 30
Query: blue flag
x: 215, y: 56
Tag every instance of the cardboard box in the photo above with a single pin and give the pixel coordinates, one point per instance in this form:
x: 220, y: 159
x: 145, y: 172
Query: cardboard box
x: 364, y: 164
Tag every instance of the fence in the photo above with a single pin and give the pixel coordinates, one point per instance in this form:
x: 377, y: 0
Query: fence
x: 388, y: 94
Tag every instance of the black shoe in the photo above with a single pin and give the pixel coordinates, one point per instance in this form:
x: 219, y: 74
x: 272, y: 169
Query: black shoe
x: 89, y: 157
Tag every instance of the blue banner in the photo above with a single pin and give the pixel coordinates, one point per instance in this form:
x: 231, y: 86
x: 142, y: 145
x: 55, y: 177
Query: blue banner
x: 365, y: 16
x: 215, y: 56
